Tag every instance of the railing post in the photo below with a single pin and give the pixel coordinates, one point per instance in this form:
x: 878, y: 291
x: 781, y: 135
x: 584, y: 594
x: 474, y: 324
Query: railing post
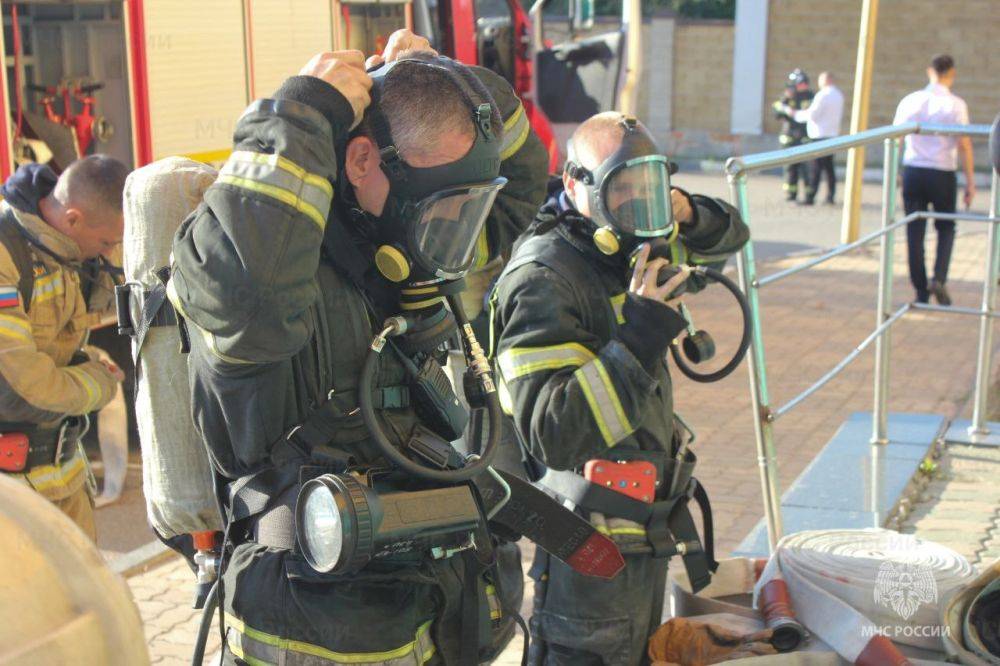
x: 984, y: 361
x: 767, y: 457
x: 883, y: 345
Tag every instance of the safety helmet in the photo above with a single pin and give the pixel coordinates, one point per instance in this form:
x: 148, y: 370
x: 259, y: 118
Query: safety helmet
x: 797, y: 77
x: 60, y: 602
x: 629, y: 192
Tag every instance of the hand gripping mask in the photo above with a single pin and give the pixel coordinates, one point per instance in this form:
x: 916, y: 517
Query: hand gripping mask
x: 433, y: 216
x: 629, y: 192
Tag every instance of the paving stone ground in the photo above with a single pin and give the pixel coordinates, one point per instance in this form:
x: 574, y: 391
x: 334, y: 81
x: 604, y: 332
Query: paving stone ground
x: 810, y: 322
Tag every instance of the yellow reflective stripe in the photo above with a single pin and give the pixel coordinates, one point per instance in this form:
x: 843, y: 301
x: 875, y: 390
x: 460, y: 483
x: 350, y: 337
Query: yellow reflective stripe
x: 520, y: 361
x: 516, y: 130
x: 285, y: 164
x: 620, y: 531
x: 613, y: 395
x: 603, y: 402
x: 48, y: 287
x: 90, y: 385
x: 15, y: 327
x: 482, y: 250
x: 506, y: 404
x: 618, y: 305
x: 494, y: 602
x: 47, y: 477
x: 278, y: 193
x: 338, y: 657
x: 420, y: 305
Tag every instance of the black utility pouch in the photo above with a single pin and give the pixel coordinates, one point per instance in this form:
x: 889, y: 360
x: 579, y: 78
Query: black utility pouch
x: 435, y: 402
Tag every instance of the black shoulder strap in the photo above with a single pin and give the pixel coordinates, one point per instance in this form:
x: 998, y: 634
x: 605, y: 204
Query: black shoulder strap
x: 17, y: 245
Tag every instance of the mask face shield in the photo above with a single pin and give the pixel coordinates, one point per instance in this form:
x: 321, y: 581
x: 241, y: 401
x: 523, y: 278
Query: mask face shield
x: 635, y: 197
x: 446, y: 226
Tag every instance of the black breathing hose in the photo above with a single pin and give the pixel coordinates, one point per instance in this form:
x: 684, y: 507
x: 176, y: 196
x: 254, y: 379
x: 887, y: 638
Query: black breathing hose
x: 734, y: 362
x: 207, y: 614
x: 393, y: 454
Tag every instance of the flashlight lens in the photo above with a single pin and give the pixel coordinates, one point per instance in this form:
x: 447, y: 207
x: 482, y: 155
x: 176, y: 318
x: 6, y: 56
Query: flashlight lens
x: 323, y: 529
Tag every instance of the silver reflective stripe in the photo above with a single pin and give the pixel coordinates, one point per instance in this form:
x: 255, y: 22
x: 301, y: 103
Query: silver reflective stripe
x: 520, y: 361
x: 604, y: 403
x: 259, y: 649
x: 279, y: 178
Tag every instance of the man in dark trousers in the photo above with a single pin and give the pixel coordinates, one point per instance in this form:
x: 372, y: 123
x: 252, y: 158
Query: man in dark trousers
x: 929, y: 179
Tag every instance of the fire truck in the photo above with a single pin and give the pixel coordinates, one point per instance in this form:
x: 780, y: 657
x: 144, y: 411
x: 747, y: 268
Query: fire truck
x: 144, y: 79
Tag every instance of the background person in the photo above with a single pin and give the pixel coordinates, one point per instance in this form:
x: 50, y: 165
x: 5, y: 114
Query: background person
x: 48, y: 383
x: 929, y: 179
x: 822, y: 118
x: 797, y: 96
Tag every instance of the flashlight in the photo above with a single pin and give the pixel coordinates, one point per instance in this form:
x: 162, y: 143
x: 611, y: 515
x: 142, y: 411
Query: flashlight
x: 341, y: 524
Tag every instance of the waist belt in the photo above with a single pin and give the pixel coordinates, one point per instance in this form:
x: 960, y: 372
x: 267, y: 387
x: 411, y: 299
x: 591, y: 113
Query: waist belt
x: 670, y: 527
x: 50, y: 446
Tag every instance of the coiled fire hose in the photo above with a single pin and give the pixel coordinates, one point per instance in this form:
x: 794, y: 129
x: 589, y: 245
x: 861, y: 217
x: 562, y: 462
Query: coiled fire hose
x: 857, y: 590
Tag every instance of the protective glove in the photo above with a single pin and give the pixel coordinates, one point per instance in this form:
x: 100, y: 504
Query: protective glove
x: 684, y: 642
x: 649, y: 328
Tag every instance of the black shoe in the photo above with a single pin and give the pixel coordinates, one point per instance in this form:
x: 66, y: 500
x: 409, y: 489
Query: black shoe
x: 807, y: 202
x: 831, y: 202
x: 922, y: 297
x: 940, y: 293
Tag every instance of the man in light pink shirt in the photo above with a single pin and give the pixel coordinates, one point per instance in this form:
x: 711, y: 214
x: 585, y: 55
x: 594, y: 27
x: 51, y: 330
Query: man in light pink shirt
x: 929, y: 165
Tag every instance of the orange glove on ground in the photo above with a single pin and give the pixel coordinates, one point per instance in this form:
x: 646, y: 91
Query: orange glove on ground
x: 684, y: 642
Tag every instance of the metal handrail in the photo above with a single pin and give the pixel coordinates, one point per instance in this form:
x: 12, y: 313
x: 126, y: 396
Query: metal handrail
x: 837, y: 369
x: 738, y: 169
x: 847, y: 247
x: 775, y: 158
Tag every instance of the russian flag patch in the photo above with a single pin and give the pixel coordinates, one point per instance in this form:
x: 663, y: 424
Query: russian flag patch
x: 9, y: 297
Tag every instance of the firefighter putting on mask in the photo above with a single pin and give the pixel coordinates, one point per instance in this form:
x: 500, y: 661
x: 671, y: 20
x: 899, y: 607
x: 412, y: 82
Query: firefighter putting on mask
x: 583, y: 320
x: 344, y: 221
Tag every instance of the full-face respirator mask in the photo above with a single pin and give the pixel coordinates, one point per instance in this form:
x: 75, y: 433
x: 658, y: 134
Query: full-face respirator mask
x: 629, y: 192
x: 630, y: 206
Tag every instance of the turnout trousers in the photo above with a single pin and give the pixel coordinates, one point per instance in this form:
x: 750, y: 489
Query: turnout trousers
x: 583, y: 621
x: 279, y: 611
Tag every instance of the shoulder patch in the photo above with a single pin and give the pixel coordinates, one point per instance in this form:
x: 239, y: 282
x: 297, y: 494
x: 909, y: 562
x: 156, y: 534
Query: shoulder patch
x: 9, y: 297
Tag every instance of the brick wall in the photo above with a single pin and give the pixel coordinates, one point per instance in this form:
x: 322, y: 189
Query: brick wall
x: 702, y: 75
x: 824, y: 35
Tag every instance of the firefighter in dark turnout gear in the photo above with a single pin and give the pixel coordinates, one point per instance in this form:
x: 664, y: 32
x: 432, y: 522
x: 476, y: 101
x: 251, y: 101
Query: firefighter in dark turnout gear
x: 797, y: 96
x: 276, y: 278
x: 580, y: 343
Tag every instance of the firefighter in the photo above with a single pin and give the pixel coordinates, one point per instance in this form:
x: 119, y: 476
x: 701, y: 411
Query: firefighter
x: 49, y: 381
x: 797, y: 96
x: 581, y: 349
x: 346, y: 193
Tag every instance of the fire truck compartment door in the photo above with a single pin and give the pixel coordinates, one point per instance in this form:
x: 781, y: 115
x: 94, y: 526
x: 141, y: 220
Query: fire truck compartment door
x: 578, y: 79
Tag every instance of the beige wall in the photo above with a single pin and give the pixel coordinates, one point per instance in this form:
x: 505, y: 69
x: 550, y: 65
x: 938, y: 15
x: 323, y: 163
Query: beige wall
x: 702, y: 75
x: 824, y: 35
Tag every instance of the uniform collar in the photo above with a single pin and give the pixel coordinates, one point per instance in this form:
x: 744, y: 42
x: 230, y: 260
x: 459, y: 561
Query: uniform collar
x: 63, y: 248
x: 938, y: 89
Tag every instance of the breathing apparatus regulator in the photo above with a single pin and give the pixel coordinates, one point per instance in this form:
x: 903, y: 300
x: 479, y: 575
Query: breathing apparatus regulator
x: 426, y: 240
x: 630, y: 205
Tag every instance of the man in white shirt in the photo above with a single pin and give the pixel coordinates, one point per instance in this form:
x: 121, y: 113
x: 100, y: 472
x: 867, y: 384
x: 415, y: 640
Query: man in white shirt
x: 822, y: 119
x: 929, y: 165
